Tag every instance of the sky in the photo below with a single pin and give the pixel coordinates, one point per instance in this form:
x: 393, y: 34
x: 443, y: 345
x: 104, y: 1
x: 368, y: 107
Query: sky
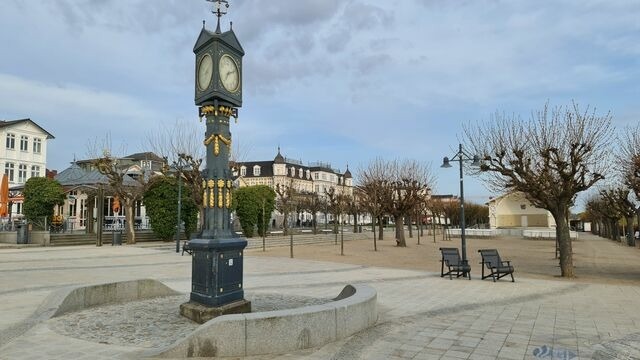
x: 338, y: 81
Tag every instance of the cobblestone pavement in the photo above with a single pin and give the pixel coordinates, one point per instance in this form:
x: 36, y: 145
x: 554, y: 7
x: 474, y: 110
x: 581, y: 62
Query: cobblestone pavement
x: 422, y: 316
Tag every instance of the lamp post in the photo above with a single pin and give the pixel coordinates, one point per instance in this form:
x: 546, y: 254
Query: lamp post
x: 461, y: 156
x: 179, y: 167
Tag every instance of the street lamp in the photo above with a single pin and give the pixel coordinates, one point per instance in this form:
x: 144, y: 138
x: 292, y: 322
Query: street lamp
x: 179, y: 166
x: 461, y: 157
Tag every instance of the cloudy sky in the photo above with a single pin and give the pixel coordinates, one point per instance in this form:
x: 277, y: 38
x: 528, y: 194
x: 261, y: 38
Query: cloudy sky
x: 340, y: 81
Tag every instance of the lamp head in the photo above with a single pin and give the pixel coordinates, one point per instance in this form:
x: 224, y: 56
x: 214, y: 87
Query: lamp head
x: 476, y: 161
x: 445, y: 163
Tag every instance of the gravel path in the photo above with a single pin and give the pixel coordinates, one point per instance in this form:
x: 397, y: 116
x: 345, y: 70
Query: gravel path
x: 154, y: 322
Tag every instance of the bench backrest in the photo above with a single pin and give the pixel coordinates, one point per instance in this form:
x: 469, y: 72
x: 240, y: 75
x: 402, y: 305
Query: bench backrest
x: 490, y: 257
x: 451, y: 256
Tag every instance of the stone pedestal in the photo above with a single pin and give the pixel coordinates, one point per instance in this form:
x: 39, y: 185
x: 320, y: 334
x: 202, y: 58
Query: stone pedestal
x: 201, y: 313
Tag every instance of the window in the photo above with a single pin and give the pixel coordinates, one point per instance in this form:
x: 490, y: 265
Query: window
x: 83, y: 212
x: 256, y: 170
x: 316, y: 176
x: 293, y: 171
x: 243, y: 171
x: 145, y: 164
x: 11, y: 141
x: 317, y: 188
x: 324, y: 176
x: 8, y: 170
x: 24, y: 143
x: 308, y: 174
x: 301, y: 173
x: 35, y: 171
x: 37, y: 145
x: 22, y: 173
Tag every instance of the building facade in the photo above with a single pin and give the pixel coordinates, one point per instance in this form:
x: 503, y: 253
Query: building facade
x: 82, y: 179
x: 318, y: 177
x: 513, y: 210
x: 23, y: 156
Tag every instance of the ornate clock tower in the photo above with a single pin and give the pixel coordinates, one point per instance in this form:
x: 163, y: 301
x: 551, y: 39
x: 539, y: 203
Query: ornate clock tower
x: 217, y: 259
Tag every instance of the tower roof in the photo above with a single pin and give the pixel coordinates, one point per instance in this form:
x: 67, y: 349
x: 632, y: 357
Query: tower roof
x: 347, y: 174
x: 279, y: 159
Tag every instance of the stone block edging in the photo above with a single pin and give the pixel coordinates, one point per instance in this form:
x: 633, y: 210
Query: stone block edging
x: 281, y: 331
x: 74, y: 298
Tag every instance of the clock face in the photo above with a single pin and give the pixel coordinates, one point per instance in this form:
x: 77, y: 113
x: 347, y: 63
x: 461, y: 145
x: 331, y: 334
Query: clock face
x: 205, y: 70
x: 229, y: 74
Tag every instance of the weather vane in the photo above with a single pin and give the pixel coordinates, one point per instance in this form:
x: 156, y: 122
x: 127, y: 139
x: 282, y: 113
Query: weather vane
x: 218, y: 11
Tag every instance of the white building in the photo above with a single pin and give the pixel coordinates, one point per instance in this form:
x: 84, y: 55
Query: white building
x: 513, y: 210
x: 24, y: 155
x: 316, y: 178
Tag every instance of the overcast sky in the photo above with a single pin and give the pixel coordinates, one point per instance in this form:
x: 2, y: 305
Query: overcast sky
x: 327, y: 80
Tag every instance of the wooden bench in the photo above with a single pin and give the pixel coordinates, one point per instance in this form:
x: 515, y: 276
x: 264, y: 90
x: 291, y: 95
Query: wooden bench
x: 498, y: 268
x: 451, y: 258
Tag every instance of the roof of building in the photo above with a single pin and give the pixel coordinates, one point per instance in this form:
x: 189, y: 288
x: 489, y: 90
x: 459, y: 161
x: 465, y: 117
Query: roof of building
x: 279, y: 159
x: 347, y: 174
x: 7, y: 123
x: 75, y: 175
x: 145, y: 156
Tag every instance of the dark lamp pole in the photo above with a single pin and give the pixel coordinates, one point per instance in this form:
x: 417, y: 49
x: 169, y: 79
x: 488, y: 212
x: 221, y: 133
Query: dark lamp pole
x: 179, y: 167
x: 461, y: 157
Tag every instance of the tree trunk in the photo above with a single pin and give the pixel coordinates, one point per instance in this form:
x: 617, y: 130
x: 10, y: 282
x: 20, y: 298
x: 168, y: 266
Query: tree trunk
x: 131, y: 233
x: 630, y: 238
x: 410, y: 227
x: 355, y: 222
x: 373, y: 225
x: 380, y: 228
x: 315, y: 223
x: 285, y: 222
x: 564, y: 242
x: 399, y: 220
x: 89, y: 223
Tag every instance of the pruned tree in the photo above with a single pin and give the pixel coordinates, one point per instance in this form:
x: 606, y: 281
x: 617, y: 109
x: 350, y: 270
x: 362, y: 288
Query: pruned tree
x: 334, y: 200
x: 371, y: 183
x: 621, y: 200
x: 128, y: 189
x: 313, y: 203
x: 399, y: 187
x: 410, y: 180
x: 551, y: 157
x: 629, y: 161
x: 285, y: 202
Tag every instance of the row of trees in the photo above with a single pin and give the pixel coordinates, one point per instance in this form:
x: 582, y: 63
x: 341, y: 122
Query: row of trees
x: 619, y: 201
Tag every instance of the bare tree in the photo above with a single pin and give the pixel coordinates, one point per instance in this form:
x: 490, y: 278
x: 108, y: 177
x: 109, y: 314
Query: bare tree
x: 629, y: 161
x: 551, y: 158
x: 400, y: 187
x: 313, y: 203
x: 619, y: 202
x: 127, y: 188
x: 285, y: 202
x: 371, y: 183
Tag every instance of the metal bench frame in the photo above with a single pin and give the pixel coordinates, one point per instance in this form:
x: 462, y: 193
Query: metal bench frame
x: 498, y: 268
x: 451, y: 258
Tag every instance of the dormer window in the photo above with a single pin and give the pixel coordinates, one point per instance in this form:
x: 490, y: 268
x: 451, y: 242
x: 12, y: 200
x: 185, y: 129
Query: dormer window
x: 243, y: 171
x: 256, y: 170
x: 293, y: 171
x: 301, y: 173
x: 308, y: 174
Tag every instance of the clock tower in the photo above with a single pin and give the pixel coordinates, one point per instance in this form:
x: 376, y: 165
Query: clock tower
x: 217, y: 259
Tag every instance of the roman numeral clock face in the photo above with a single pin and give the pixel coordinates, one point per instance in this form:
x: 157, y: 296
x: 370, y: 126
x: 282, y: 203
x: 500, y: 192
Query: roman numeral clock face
x: 229, y: 74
